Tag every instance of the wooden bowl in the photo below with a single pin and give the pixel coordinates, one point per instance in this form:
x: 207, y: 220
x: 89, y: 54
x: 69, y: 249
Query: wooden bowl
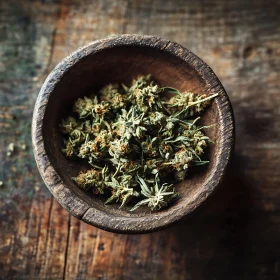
x: 119, y: 59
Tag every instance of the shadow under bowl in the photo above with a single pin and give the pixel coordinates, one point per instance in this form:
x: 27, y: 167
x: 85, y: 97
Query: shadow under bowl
x: 120, y: 59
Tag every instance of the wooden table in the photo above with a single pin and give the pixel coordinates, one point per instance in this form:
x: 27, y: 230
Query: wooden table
x: 236, y: 235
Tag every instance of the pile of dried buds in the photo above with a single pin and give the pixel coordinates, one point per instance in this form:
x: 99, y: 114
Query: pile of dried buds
x: 136, y: 141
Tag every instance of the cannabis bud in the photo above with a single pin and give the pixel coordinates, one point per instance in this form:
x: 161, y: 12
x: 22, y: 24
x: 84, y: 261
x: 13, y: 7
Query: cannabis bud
x: 137, y: 142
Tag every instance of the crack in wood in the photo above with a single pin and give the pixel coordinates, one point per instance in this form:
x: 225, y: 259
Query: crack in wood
x: 67, y: 247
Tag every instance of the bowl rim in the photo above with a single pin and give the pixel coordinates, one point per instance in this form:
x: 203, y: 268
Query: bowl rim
x: 123, y: 224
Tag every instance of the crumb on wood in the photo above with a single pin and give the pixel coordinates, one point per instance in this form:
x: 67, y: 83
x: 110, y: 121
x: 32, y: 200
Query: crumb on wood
x: 11, y: 149
x: 23, y: 146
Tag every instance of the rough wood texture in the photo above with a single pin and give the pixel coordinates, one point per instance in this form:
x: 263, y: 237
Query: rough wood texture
x: 236, y: 235
x: 120, y: 59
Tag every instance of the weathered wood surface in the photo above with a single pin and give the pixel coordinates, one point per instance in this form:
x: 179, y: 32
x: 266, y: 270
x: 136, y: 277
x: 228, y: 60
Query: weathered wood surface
x: 236, y: 235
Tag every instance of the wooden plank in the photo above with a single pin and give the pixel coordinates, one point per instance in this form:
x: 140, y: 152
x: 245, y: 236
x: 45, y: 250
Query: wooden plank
x: 236, y: 235
x: 25, y: 205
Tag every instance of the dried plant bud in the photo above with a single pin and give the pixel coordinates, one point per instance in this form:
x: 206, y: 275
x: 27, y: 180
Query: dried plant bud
x: 169, y: 127
x: 133, y: 138
x: 166, y: 150
x: 115, y: 96
x: 84, y: 106
x: 156, y: 197
x: 97, y: 149
x: 68, y: 125
x: 147, y: 98
x: 153, y: 166
x: 130, y: 167
x: 100, y: 110
x: 188, y: 104
x: 150, y: 147
x: 181, y: 160
x: 139, y: 83
x: 130, y: 124
x: 69, y: 149
x: 121, y: 190
x: 109, y: 91
x: 119, y: 101
x: 94, y: 179
x: 119, y: 148
x: 77, y: 136
x: 155, y: 120
x: 92, y: 128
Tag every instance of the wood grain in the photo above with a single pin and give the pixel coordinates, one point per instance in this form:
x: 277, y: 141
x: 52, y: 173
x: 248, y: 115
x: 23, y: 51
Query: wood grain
x: 236, y: 235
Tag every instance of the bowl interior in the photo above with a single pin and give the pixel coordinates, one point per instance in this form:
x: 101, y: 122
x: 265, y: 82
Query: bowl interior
x: 122, y: 64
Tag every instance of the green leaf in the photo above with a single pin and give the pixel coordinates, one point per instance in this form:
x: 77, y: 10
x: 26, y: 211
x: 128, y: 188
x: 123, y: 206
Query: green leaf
x: 140, y: 203
x: 172, y: 90
x: 200, y: 162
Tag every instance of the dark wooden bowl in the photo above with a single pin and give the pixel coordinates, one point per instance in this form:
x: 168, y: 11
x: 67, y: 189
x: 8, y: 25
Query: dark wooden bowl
x: 119, y: 59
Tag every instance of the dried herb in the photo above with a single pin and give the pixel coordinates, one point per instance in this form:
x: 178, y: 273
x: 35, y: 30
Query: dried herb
x: 137, y: 142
